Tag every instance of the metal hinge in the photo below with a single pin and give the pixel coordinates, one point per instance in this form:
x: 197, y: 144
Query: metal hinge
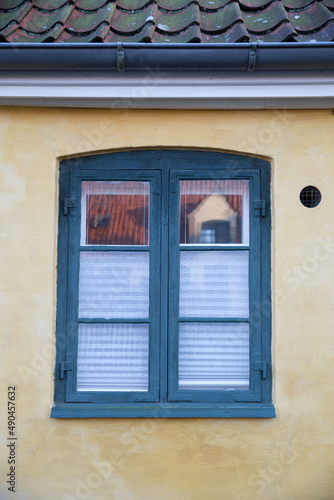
x: 65, y: 366
x: 262, y: 367
x: 68, y: 203
x: 260, y: 208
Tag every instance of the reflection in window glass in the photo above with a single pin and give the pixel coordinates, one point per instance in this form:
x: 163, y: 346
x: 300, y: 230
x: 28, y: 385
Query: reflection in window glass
x: 214, y: 212
x: 115, y: 213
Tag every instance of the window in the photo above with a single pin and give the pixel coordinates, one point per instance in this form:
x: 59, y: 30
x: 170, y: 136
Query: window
x: 163, y: 294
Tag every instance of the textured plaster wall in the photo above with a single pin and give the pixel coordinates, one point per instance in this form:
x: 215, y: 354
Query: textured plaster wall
x: 290, y: 457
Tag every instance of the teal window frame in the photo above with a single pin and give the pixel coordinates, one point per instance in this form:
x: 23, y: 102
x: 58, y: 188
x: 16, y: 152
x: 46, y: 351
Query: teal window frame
x: 164, y: 169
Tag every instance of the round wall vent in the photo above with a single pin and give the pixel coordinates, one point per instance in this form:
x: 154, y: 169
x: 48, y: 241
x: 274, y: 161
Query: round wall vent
x: 310, y: 196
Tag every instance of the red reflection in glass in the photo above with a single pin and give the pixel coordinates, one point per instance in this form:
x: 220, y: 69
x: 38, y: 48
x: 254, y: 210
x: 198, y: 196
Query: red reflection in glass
x: 115, y: 213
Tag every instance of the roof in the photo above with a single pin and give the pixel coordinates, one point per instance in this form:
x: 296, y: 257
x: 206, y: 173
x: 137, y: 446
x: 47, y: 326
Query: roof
x: 164, y: 21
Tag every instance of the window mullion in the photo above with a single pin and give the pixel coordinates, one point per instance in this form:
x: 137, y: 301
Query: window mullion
x: 164, y: 273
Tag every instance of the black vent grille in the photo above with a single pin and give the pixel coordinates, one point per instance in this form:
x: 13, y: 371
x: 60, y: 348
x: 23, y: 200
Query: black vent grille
x: 310, y: 196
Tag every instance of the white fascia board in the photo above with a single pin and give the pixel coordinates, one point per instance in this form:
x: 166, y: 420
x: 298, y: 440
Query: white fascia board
x: 161, y: 90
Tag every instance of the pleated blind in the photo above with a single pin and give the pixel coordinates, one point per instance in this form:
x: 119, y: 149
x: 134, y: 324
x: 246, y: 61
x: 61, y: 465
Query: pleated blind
x: 113, y: 357
x: 114, y: 285
x: 214, y: 284
x: 213, y: 356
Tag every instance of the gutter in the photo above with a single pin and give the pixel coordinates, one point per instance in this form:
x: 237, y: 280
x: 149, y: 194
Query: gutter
x: 168, y: 76
x: 139, y: 57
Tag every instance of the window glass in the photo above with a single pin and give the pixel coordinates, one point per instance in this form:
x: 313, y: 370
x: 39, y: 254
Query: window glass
x: 214, y: 284
x: 115, y: 213
x: 214, y: 212
x: 114, y: 285
x: 113, y: 357
x: 214, y: 356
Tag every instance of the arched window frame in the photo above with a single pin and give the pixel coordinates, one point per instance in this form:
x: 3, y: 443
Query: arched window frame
x: 164, y: 397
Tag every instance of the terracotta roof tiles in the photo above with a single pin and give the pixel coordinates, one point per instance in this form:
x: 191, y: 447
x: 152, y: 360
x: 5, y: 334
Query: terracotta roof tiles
x: 165, y: 21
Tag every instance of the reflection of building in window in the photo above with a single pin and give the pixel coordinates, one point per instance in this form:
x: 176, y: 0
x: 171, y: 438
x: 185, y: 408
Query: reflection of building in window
x: 117, y: 213
x: 216, y: 231
x: 208, y: 235
x: 213, y: 221
x: 218, y: 207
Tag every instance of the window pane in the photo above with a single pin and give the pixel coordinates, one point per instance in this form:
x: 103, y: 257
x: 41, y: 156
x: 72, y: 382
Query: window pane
x: 113, y: 357
x: 114, y: 285
x: 115, y: 213
x: 214, y: 212
x: 214, y: 284
x: 213, y: 356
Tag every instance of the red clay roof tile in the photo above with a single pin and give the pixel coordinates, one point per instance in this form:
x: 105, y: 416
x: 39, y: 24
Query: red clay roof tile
x: 213, y: 4
x: 50, y: 4
x: 16, y: 16
x: 171, y: 23
x: 91, y: 5
x: 78, y: 23
x: 310, y: 19
x: 173, y: 5
x: 254, y: 5
x: 218, y: 22
x: 39, y: 22
x: 21, y: 36
x: 296, y: 4
x: 157, y: 21
x: 145, y: 36
x: 323, y: 35
x: 133, y: 4
x: 283, y: 33
x: 261, y: 22
x: 190, y: 35
x: 132, y: 22
x: 98, y: 35
x: 329, y: 4
x: 12, y: 4
x: 236, y: 34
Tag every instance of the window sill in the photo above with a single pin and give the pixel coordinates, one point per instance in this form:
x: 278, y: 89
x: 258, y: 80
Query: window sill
x: 151, y: 410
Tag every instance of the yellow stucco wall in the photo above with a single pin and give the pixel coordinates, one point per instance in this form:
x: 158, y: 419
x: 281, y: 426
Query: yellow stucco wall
x: 290, y: 457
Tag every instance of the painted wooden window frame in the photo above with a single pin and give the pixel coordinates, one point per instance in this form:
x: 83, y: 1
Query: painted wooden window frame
x: 163, y: 168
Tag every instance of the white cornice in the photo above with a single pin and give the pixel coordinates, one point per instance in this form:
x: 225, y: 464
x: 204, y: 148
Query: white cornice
x: 187, y: 90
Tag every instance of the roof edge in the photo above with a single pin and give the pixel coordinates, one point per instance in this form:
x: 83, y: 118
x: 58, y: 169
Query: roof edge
x: 119, y: 57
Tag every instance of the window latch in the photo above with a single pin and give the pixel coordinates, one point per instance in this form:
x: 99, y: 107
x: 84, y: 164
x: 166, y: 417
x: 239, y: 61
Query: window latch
x: 262, y: 367
x: 68, y: 203
x: 260, y: 208
x: 65, y: 366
